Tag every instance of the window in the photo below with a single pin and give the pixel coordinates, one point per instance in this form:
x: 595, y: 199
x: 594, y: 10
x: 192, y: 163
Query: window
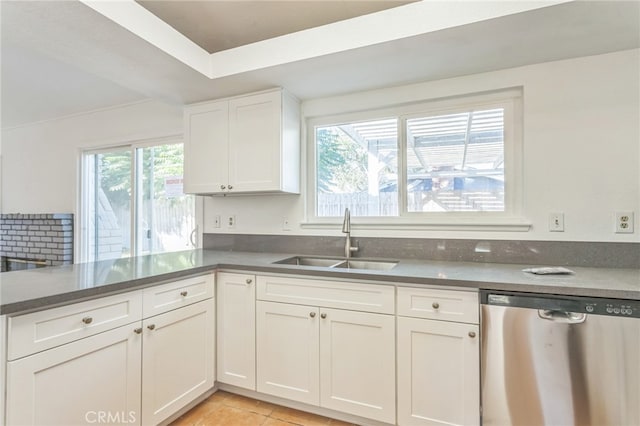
x: 132, y: 202
x: 458, y: 158
x: 455, y: 162
x: 356, y: 164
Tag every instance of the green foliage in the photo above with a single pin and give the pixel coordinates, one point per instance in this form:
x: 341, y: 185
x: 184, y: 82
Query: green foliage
x: 114, y: 171
x: 158, y: 162
x: 165, y: 161
x: 342, y: 163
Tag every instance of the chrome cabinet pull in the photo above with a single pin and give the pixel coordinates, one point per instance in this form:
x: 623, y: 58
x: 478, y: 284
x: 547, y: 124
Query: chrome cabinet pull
x: 137, y: 330
x: 87, y: 320
x: 183, y: 293
x: 435, y: 305
x: 151, y: 326
x: 472, y: 334
x: 249, y: 280
x: 230, y: 187
x: 312, y: 314
x: 323, y: 315
x: 222, y: 187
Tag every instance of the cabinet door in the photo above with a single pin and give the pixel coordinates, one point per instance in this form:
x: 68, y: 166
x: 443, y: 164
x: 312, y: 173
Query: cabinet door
x: 438, y: 373
x: 287, y: 351
x: 254, y: 142
x: 236, y: 337
x: 79, y: 382
x: 206, y: 148
x: 357, y: 363
x: 177, y: 360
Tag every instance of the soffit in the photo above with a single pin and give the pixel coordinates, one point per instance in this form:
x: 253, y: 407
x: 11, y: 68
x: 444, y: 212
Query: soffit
x: 117, y: 62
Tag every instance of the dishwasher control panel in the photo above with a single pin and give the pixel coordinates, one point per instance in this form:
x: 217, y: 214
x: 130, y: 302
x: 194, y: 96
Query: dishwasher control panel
x: 578, y: 304
x: 623, y: 308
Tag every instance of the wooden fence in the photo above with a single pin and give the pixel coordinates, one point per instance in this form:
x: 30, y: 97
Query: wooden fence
x: 386, y: 204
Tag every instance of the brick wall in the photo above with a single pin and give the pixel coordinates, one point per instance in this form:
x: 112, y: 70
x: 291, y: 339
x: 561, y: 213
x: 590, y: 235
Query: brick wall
x: 46, y: 237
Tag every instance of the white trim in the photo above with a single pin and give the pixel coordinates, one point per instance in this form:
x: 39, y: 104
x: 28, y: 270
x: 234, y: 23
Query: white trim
x: 141, y: 142
x: 78, y: 114
x: 512, y: 224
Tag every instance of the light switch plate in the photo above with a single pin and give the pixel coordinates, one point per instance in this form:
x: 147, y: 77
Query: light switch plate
x: 556, y: 222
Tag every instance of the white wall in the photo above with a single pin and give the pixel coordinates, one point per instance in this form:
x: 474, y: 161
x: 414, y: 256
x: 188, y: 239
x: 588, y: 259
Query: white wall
x: 581, y: 151
x: 41, y: 161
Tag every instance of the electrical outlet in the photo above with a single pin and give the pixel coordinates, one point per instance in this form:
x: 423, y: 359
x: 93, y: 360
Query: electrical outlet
x: 556, y: 222
x: 216, y: 221
x: 286, y: 226
x: 624, y: 222
x: 231, y: 221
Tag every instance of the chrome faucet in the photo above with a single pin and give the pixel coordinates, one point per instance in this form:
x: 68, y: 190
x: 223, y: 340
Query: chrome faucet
x: 346, y: 228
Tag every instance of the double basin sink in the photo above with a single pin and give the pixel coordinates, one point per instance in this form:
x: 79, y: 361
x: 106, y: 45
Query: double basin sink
x: 338, y: 263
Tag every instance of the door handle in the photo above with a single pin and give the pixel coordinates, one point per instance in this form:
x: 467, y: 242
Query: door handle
x: 562, y: 316
x: 192, y: 237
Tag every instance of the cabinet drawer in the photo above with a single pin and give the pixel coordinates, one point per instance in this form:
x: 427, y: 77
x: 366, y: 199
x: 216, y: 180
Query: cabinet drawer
x: 331, y: 294
x: 173, y: 295
x: 446, y: 305
x: 35, y: 332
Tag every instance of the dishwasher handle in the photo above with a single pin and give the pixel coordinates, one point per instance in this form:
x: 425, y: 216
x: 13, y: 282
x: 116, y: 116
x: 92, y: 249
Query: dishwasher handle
x: 562, y: 316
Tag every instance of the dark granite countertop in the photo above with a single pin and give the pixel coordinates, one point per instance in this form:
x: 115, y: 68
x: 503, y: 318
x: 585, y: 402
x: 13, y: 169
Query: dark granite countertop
x: 41, y: 288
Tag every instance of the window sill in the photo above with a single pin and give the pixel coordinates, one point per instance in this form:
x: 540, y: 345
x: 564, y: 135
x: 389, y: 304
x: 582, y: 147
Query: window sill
x: 503, y: 224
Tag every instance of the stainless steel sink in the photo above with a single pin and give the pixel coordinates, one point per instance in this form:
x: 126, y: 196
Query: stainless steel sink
x: 367, y: 264
x: 338, y: 263
x: 310, y: 261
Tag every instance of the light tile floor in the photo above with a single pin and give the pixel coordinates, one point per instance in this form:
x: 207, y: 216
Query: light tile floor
x: 227, y: 409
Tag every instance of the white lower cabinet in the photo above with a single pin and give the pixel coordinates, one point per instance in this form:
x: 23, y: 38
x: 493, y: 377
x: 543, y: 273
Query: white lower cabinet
x: 140, y: 357
x: 338, y: 359
x: 139, y: 373
x: 357, y: 363
x: 288, y: 351
x: 438, y: 367
x: 236, y: 337
x: 178, y: 359
x: 79, y: 382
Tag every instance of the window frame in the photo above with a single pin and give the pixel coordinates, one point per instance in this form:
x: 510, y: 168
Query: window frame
x: 510, y: 219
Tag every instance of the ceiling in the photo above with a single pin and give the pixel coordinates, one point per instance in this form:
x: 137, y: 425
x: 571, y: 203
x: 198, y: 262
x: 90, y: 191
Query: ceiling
x: 63, y: 57
x: 221, y: 25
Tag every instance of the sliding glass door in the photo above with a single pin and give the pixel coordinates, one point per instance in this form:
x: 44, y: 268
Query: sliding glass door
x: 132, y: 202
x: 165, y: 216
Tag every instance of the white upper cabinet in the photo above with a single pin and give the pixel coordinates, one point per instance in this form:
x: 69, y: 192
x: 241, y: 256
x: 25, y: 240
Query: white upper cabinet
x: 245, y: 144
x: 206, y: 148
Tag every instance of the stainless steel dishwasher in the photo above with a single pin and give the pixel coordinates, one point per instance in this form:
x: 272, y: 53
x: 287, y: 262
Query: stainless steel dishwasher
x: 559, y: 360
